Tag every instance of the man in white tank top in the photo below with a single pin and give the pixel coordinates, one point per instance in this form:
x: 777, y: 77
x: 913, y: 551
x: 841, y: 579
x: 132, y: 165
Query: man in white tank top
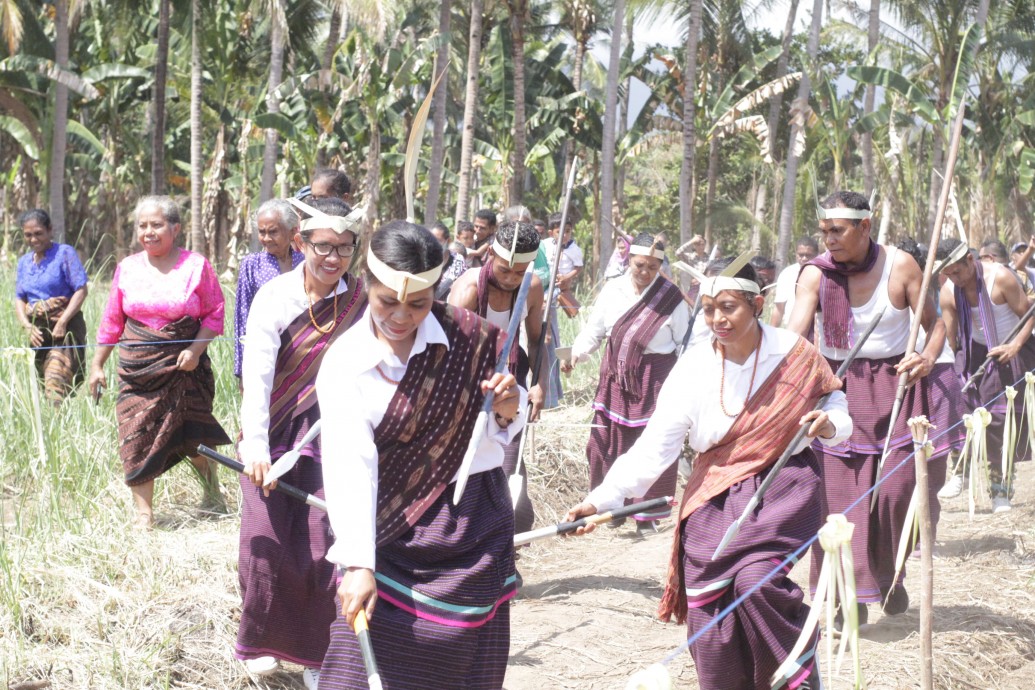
x: 490, y: 292
x: 981, y: 304
x: 841, y: 291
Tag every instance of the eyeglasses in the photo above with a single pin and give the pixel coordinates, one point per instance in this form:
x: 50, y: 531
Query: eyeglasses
x: 325, y: 249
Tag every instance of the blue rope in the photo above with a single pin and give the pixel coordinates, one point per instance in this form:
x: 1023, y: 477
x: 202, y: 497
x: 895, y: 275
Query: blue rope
x: 120, y: 344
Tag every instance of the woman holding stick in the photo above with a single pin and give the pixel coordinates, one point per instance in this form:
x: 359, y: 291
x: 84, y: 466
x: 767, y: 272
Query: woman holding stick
x: 405, y: 387
x: 164, y: 308
x: 287, y: 586
x: 753, y: 387
x: 643, y: 317
x: 49, y: 293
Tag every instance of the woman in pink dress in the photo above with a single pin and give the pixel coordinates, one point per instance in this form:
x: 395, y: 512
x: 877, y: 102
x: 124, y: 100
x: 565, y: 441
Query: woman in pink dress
x: 164, y: 307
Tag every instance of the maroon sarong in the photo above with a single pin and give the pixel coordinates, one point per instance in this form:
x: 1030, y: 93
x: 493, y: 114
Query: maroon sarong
x: 287, y: 586
x: 163, y: 413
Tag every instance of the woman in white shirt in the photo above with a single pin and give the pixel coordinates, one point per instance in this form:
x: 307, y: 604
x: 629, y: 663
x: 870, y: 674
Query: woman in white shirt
x: 287, y: 587
x: 404, y: 388
x: 741, y: 398
x: 642, y: 316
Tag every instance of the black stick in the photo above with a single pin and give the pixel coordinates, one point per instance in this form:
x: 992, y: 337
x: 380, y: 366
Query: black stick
x: 283, y: 488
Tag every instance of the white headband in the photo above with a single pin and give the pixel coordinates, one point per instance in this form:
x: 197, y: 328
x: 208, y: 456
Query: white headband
x: 402, y: 282
x: 319, y: 219
x: 647, y: 251
x: 846, y: 213
x: 512, y: 257
x: 713, y: 286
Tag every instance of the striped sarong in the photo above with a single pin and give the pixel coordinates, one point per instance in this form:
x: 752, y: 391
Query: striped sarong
x: 163, y: 413
x: 619, y: 419
x: 850, y: 470
x: 444, y: 588
x: 59, y: 364
x: 744, y: 649
x: 287, y: 586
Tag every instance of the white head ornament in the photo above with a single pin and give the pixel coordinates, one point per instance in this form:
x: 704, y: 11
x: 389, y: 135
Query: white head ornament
x: 402, y: 282
x: 727, y: 280
x: 319, y: 219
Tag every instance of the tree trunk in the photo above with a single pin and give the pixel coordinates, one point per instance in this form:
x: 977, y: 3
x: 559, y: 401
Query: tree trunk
x: 623, y: 110
x: 474, y: 51
x: 326, y: 62
x: 709, y: 195
x: 686, y: 171
x: 158, y: 125
x: 775, y: 106
x: 791, y: 179
x: 373, y: 182
x: 869, y: 172
x: 197, y: 230
x: 438, y: 136
x: 59, y: 140
x: 576, y: 81
x: 516, y: 193
x: 607, y: 152
x: 269, y: 154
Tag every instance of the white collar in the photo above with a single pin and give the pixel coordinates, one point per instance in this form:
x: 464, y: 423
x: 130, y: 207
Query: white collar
x: 343, y: 285
x: 371, y: 351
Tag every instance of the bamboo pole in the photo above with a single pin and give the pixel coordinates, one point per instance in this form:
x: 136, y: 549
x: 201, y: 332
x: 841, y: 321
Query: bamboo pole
x: 919, y: 426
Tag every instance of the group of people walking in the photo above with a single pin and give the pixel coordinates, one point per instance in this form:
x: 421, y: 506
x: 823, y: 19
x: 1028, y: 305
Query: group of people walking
x: 397, y: 371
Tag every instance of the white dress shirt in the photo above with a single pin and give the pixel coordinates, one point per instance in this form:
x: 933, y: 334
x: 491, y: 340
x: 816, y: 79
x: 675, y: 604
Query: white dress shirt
x: 616, y: 298
x: 353, y: 398
x: 786, y: 285
x: 679, y: 413
x: 276, y: 305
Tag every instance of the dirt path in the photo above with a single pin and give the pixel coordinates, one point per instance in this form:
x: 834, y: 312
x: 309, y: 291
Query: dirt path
x: 585, y: 616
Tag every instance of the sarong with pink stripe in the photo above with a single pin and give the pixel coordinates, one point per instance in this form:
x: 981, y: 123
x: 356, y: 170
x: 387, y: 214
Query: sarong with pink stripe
x: 743, y: 650
x: 287, y: 586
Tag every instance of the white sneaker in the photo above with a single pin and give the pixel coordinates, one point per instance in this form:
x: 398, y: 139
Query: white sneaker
x: 262, y: 666
x: 311, y: 678
x: 1001, y: 504
x: 952, y: 488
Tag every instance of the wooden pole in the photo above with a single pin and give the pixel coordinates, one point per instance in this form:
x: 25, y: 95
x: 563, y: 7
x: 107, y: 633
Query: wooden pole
x: 919, y: 426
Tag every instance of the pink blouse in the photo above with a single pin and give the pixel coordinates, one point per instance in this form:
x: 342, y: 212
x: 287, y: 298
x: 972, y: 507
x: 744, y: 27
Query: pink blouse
x: 157, y: 299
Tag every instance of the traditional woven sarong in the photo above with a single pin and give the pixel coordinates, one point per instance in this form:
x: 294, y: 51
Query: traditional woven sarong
x: 850, y: 469
x: 744, y: 649
x: 443, y: 614
x: 163, y: 413
x: 59, y: 364
x: 627, y: 393
x: 287, y: 586
x: 445, y: 573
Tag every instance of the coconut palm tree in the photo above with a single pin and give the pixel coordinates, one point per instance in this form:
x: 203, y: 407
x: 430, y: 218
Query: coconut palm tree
x: 438, y: 148
x: 278, y: 27
x: 59, y: 138
x: 797, y: 127
x: 607, y: 152
x: 686, y: 171
x: 474, y: 49
x: 158, y: 102
x: 197, y: 172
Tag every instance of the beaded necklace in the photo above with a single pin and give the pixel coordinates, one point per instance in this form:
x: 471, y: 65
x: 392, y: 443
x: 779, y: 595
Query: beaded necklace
x: 385, y: 376
x: 751, y: 385
x: 312, y: 317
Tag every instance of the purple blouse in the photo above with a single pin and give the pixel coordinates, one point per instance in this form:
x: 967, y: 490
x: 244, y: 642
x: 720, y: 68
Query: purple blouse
x: 59, y: 274
x: 256, y: 270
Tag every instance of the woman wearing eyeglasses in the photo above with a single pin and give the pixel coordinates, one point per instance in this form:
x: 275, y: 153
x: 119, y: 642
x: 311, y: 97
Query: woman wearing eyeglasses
x: 287, y: 586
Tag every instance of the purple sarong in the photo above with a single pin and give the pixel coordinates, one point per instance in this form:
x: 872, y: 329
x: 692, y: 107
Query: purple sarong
x: 444, y: 588
x: 744, y: 649
x: 287, y: 586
